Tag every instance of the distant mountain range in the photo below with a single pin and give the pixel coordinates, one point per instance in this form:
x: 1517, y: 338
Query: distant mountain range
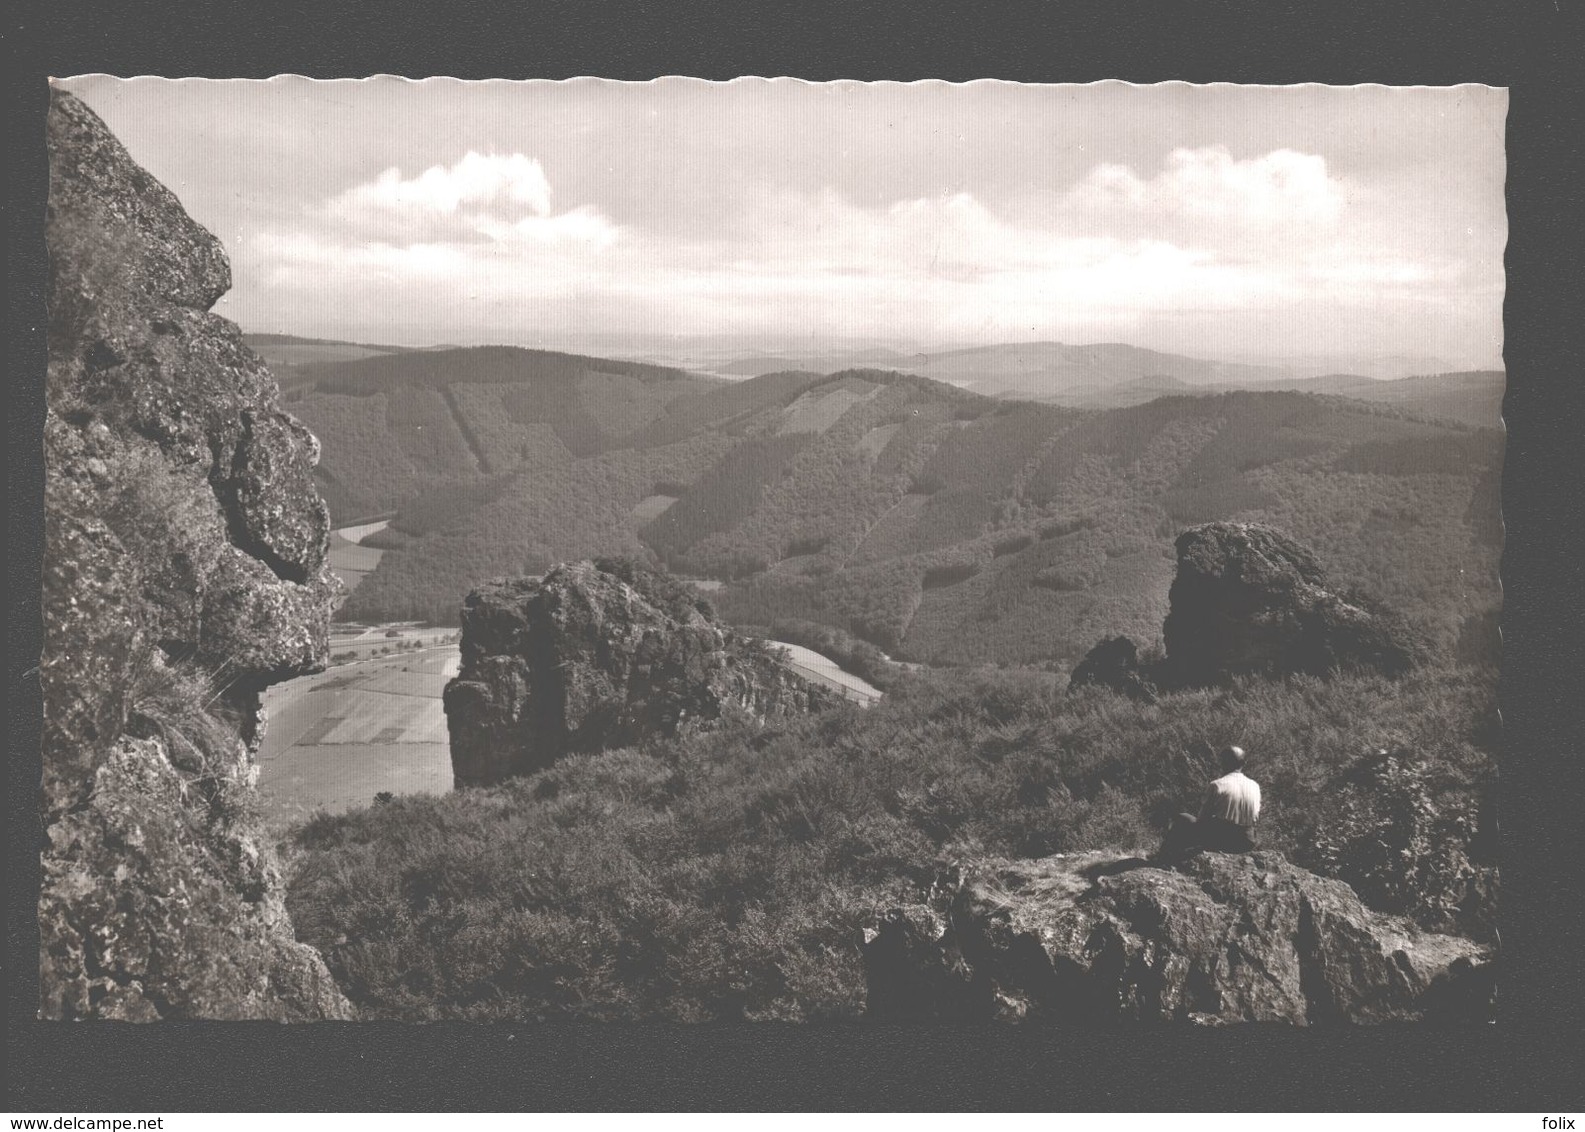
x: 1110, y: 375
x: 284, y: 352
x: 1107, y: 375
x: 1027, y: 369
x: 941, y: 524
x: 1053, y: 370
x: 1473, y: 397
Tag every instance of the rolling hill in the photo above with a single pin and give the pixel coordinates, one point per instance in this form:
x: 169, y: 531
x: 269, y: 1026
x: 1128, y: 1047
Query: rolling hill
x: 1113, y: 375
x: 1471, y: 396
x: 1038, y: 370
x: 423, y: 431
x: 1048, y: 369
x: 942, y: 525
x: 1028, y: 532
x: 285, y: 352
x: 830, y: 362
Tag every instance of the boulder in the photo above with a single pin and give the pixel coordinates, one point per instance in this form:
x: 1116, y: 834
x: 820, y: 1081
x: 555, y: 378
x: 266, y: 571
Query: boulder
x: 1249, y: 599
x: 597, y: 655
x: 1100, y: 939
x: 1115, y: 664
x: 185, y: 570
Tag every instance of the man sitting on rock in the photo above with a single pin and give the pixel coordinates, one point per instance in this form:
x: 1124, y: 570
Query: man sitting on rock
x: 1226, y: 821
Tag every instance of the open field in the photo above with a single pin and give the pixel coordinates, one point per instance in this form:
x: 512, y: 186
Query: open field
x: 363, y: 530
x: 823, y: 670
x: 651, y: 507
x: 349, y: 560
x: 336, y: 740
x: 351, y: 643
x: 375, y: 723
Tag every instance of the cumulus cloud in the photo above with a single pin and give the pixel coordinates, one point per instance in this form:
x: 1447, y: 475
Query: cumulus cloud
x: 513, y: 180
x: 463, y: 212
x: 1282, y: 187
x: 967, y: 266
x: 499, y: 197
x: 1110, y: 253
x: 948, y: 236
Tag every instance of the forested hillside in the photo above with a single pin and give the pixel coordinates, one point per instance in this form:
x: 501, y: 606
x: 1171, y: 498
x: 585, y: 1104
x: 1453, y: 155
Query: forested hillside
x: 1028, y: 532
x: 937, y: 524
x: 415, y: 429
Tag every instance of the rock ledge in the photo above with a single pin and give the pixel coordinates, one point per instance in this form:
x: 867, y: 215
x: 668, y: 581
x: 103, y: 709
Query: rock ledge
x: 1098, y: 938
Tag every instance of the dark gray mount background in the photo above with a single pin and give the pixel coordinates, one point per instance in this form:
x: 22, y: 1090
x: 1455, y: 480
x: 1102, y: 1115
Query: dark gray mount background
x: 1526, y: 1062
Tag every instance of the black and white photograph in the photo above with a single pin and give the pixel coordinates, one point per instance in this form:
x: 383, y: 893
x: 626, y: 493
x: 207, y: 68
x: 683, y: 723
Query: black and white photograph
x: 772, y: 551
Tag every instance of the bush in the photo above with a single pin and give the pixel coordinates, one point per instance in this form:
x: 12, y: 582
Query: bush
x: 1012, y: 545
x: 1397, y: 846
x: 949, y: 574
x: 728, y: 875
x: 852, y: 654
x: 186, y: 707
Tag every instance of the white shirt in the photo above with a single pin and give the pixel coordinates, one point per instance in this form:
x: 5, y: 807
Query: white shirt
x: 1233, y: 798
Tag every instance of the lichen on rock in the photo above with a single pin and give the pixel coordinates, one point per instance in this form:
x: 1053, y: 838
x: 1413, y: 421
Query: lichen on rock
x: 185, y: 570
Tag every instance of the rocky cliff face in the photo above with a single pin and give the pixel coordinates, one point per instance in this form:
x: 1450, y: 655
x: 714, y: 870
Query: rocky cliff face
x: 1095, y: 939
x: 184, y: 572
x: 598, y: 655
x: 1248, y: 599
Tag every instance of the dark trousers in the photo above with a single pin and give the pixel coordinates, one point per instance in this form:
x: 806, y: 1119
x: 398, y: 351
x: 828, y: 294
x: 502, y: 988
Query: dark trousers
x: 1187, y: 833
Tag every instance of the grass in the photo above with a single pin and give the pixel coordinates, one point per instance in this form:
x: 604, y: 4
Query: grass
x: 729, y: 876
x: 188, y: 707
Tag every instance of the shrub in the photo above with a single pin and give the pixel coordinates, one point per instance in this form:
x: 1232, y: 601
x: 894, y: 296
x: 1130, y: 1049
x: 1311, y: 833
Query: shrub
x: 813, y: 544
x: 1065, y: 579
x: 186, y: 707
x: 949, y: 574
x: 728, y: 875
x: 1012, y: 545
x: 1396, y: 845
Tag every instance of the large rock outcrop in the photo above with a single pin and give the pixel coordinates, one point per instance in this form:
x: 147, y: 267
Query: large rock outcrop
x: 1095, y: 939
x: 185, y: 570
x: 597, y: 655
x: 1248, y: 599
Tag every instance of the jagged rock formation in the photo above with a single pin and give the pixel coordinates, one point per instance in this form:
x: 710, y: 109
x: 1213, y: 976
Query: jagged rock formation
x: 597, y: 655
x: 184, y: 572
x: 1248, y: 599
x: 1097, y: 939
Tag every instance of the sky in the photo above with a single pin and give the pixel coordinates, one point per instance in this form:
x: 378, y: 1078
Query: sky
x: 1218, y: 221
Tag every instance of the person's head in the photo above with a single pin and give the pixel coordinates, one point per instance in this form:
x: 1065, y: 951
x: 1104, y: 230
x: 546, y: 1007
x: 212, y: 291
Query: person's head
x: 1231, y: 759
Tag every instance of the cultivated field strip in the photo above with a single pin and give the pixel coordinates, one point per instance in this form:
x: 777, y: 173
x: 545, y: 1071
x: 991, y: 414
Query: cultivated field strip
x: 335, y: 741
